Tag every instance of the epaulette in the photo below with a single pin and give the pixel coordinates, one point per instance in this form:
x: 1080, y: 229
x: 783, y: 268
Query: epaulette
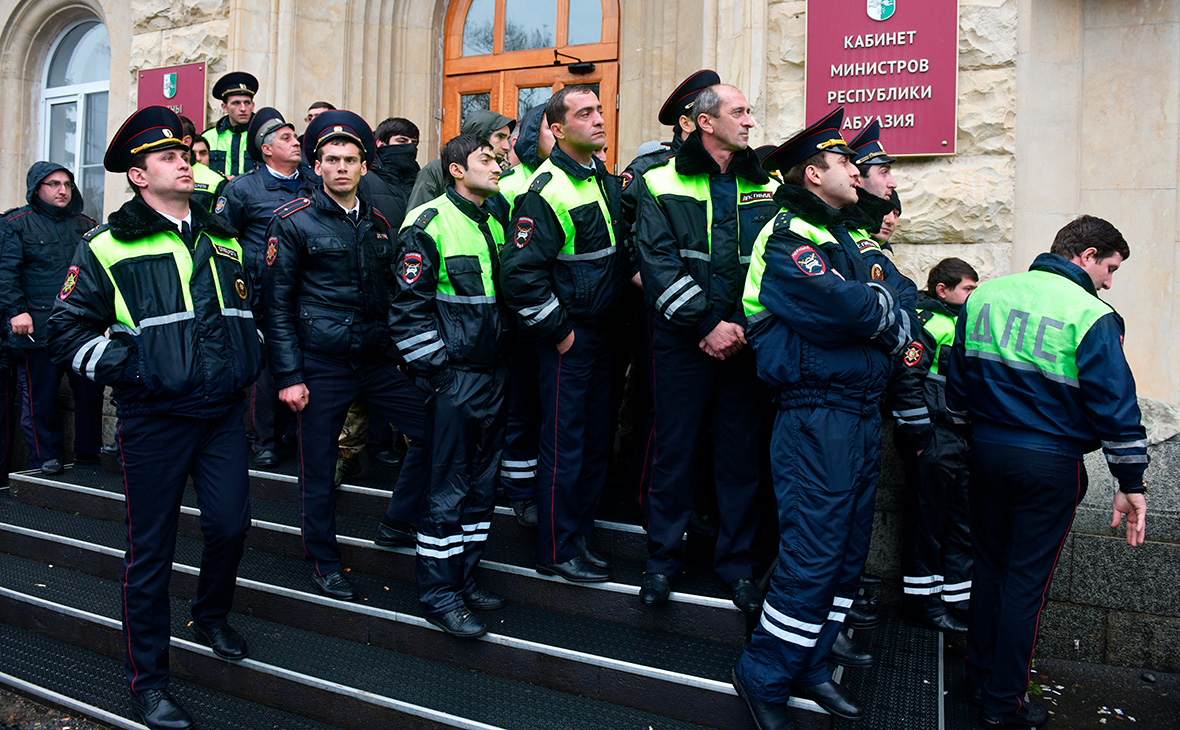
x: 383, y: 218
x: 424, y: 218
x: 925, y: 315
x: 7, y: 212
x: 90, y: 235
x: 297, y: 204
x: 783, y: 219
x: 8, y: 217
x: 540, y: 181
x: 508, y: 174
x: 87, y: 218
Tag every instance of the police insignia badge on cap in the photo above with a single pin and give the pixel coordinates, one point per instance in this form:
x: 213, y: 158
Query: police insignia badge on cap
x: 877, y: 272
x: 524, y: 231
x: 240, y: 286
x: 411, y: 267
x: 809, y: 261
x: 272, y: 249
x: 71, y: 281
x: 913, y: 354
x: 220, y: 205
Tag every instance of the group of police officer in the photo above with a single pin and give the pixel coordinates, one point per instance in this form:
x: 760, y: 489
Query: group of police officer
x: 483, y: 322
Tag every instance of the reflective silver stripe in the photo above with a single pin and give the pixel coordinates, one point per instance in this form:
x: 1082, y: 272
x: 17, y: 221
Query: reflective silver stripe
x: 424, y: 351
x: 688, y: 253
x: 83, y: 351
x: 1025, y: 366
x: 477, y: 526
x: 518, y: 474
x: 957, y: 586
x: 475, y: 537
x: 936, y: 377
x: 911, y: 412
x: 133, y: 331
x: 786, y: 620
x: 243, y: 313
x: 460, y: 299
x: 673, y: 290
x: 922, y: 580
x: 692, y: 292
x: 440, y: 541
x: 758, y: 316
x: 92, y: 363
x: 786, y: 635
x: 441, y: 554
x: 743, y: 259
x: 1120, y: 445
x: 837, y: 616
x: 541, y: 313
x: 166, y: 319
x: 1137, y: 459
x: 956, y: 597
x: 411, y: 341
x: 529, y: 311
x: 839, y: 602
x: 509, y: 463
x: 913, y: 421
x: 922, y: 591
x: 600, y: 254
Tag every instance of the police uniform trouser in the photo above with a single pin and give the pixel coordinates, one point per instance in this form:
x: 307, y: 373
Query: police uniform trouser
x: 8, y: 418
x: 39, y: 380
x: 518, y: 461
x: 575, y: 440
x: 158, y: 453
x: 1022, y: 506
x: 825, y: 464
x: 464, y: 435
x: 937, y: 550
x: 691, y: 386
x: 333, y: 383
x: 643, y: 408
x: 263, y: 399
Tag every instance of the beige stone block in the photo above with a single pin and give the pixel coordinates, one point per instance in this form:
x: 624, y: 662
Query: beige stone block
x: 202, y: 11
x: 1035, y: 231
x: 1130, y: 88
x: 146, y: 51
x: 987, y: 111
x: 156, y: 15
x: 1107, y: 14
x: 1050, y: 158
x: 957, y: 200
x: 916, y: 260
x: 1055, y: 27
x: 987, y: 34
x: 194, y: 43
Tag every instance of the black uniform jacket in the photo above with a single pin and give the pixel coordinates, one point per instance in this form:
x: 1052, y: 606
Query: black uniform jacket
x: 251, y: 200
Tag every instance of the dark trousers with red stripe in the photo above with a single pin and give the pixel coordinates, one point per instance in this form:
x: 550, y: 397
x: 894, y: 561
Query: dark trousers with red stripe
x: 1022, y: 506
x: 518, y: 461
x: 333, y: 383
x: 158, y: 454
x: 575, y: 440
x: 694, y: 391
x: 39, y: 380
x: 264, y: 397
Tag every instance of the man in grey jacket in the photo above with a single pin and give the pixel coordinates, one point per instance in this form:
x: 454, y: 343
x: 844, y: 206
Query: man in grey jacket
x: 495, y: 128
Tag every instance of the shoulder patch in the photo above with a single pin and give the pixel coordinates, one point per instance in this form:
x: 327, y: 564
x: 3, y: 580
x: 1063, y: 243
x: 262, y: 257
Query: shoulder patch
x: 424, y: 218
x: 89, y: 235
x: 524, y: 231
x: 272, y: 250
x: 411, y: 267
x: 227, y: 252
x: 913, y: 354
x: 868, y: 245
x: 877, y: 272
x: 755, y: 196
x: 220, y: 204
x: 809, y: 261
x: 70, y: 284
x: 295, y: 205
x: 627, y: 176
x: 540, y: 182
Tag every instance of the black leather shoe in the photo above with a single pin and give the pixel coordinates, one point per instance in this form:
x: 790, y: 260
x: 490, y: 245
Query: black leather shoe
x: 575, y: 570
x: 526, y: 512
x: 484, y: 600
x: 746, y: 595
x: 582, y: 544
x: 460, y: 622
x: 388, y: 457
x: 868, y: 580
x: 52, y: 467
x: 223, y: 640
x: 845, y: 653
x: 655, y: 588
x: 159, y: 711
x: 974, y: 694
x: 87, y: 460
x: 334, y: 585
x: 865, y: 602
x: 945, y: 623
x: 399, y: 534
x: 859, y: 618
x: 264, y: 459
x: 1030, y: 716
x: 833, y: 698
x: 766, y: 716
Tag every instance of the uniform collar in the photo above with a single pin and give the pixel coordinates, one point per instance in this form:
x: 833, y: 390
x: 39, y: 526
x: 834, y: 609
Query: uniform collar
x: 475, y: 212
x: 1062, y: 266
x: 572, y: 167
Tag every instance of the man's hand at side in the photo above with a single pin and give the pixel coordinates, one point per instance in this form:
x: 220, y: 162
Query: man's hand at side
x: 725, y: 340
x: 1134, y: 506
x: 295, y: 396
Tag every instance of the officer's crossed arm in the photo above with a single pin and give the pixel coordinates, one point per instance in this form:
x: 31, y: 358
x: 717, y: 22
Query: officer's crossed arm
x: 281, y: 301
x: 413, y: 321
x: 81, y: 314
x: 533, y: 241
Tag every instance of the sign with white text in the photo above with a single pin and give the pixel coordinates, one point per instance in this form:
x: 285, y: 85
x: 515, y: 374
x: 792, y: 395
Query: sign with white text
x: 180, y: 88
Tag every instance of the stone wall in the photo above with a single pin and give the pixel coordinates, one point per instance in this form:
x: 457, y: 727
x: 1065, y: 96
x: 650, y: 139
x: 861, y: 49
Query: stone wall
x: 169, y: 33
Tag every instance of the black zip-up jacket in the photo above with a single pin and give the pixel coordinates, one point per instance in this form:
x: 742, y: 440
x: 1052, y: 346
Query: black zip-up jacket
x: 632, y: 191
x: 918, y: 396
x: 552, y: 280
x: 386, y: 197
x: 37, y: 242
x: 866, y: 216
x: 326, y: 284
x: 251, y: 200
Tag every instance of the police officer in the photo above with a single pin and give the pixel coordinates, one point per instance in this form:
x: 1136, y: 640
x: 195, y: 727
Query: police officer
x: 227, y: 138
x: 1037, y: 367
x: 207, y: 183
x: 167, y: 279
x: 38, y: 243
x: 699, y: 213
x: 248, y: 204
x: 824, y: 333
x: 327, y: 285
x: 450, y: 326
x: 561, y: 278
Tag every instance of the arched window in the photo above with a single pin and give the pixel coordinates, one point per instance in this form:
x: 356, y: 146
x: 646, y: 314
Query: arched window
x: 509, y: 55
x: 74, y: 107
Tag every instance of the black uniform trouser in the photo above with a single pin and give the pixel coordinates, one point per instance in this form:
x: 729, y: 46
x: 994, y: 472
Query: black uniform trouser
x: 464, y: 435
x: 936, y: 555
x: 9, y: 414
x: 406, y: 502
x: 333, y: 383
x: 518, y: 462
x: 158, y: 454
x: 575, y: 440
x: 39, y: 380
x: 692, y: 389
x: 643, y: 407
x: 264, y: 397
x: 1022, y: 506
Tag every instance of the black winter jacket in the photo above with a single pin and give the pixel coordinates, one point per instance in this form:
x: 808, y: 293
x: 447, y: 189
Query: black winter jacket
x: 397, y: 165
x: 632, y: 190
x: 386, y: 197
x: 251, y: 200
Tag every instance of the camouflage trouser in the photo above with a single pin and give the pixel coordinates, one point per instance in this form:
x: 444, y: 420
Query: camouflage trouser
x: 356, y: 430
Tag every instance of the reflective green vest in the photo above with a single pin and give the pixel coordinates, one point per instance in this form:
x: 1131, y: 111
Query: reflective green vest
x: 515, y: 182
x: 206, y: 182
x: 227, y: 152
x: 942, y: 328
x: 564, y: 193
x: 753, y: 307
x: 1000, y: 328
x: 457, y: 236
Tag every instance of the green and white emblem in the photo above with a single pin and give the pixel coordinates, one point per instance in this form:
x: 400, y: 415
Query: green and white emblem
x: 881, y: 9
x: 170, y: 84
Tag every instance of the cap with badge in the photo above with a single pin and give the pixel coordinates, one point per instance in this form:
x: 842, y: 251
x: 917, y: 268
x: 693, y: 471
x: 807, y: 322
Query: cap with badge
x: 150, y: 129
x: 681, y: 100
x: 233, y: 84
x: 867, y: 146
x: 340, y: 125
x: 821, y: 136
x: 265, y: 121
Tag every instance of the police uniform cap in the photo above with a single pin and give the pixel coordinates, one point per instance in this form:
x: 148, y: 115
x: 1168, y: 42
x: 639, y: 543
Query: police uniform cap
x: 763, y: 151
x: 234, y: 83
x: 264, y: 121
x: 867, y: 146
x: 820, y: 136
x: 340, y: 124
x: 681, y: 100
x: 150, y: 129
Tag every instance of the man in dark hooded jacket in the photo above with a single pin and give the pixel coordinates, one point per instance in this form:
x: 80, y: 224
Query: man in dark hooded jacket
x: 495, y: 128
x: 397, y: 154
x: 38, y: 242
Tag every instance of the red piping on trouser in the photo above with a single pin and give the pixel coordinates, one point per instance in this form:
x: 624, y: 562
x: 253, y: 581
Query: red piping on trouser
x: 553, y: 486
x: 130, y: 551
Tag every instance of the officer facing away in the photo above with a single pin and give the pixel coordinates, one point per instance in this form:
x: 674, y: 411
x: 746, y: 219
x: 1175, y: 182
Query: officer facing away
x: 167, y: 279
x: 1038, y: 369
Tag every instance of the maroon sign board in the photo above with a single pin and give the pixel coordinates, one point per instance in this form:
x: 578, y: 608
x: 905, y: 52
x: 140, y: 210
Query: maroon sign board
x: 180, y: 88
x: 892, y: 60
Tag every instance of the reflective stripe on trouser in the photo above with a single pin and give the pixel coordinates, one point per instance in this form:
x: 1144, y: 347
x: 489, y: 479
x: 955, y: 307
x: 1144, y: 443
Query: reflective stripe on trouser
x: 699, y: 396
x: 333, y: 383
x: 825, y: 465
x: 518, y: 465
x: 157, y: 455
x: 464, y: 433
x: 1022, y: 506
x: 575, y: 440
